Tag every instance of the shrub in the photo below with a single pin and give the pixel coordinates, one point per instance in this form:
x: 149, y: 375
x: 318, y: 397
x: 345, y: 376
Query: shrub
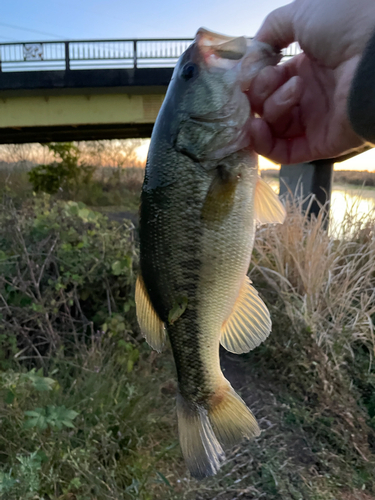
x: 79, y: 418
x: 66, y: 175
x: 64, y: 270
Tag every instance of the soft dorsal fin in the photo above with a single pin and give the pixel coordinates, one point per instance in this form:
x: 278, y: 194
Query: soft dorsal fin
x: 267, y: 206
x: 151, y: 325
x: 249, y: 324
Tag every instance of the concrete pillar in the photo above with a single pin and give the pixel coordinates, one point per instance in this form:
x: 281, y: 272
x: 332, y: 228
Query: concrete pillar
x: 303, y: 179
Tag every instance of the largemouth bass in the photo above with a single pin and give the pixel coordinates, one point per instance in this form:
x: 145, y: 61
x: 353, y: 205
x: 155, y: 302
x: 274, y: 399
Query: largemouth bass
x: 200, y: 201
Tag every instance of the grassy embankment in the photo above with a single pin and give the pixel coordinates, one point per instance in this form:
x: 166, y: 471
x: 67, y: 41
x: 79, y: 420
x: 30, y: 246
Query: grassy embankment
x: 87, y: 410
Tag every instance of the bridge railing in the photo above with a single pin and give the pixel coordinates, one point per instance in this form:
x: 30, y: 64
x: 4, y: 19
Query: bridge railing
x: 97, y: 54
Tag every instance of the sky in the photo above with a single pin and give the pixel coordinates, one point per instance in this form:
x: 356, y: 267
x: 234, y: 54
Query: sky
x: 42, y: 20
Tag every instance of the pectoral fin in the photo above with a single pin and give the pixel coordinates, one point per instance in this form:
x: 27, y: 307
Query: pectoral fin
x: 249, y: 323
x: 220, y: 196
x: 267, y: 206
x: 151, y: 325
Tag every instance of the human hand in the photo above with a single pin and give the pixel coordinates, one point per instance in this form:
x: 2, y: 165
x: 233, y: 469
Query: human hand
x: 303, y: 103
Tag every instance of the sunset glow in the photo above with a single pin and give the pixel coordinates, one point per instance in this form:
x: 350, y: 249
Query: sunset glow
x: 363, y: 161
x: 143, y: 150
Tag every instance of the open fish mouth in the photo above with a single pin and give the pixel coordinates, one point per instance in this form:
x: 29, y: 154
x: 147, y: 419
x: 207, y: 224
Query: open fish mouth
x: 224, y: 52
x: 230, y: 63
x: 220, y: 51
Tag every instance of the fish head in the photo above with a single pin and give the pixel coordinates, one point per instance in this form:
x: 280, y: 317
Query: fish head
x: 206, y: 109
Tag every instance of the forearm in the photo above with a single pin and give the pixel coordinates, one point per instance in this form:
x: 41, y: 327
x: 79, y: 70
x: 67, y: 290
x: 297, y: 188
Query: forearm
x: 361, y: 102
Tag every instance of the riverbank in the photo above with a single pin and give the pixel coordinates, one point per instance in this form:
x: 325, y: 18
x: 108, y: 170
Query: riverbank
x: 88, y: 410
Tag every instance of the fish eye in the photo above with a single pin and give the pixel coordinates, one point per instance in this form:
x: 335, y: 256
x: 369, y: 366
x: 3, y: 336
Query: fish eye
x: 189, y: 71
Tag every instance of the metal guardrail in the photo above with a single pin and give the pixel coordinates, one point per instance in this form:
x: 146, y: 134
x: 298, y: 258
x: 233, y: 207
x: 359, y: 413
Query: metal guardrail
x: 97, y: 54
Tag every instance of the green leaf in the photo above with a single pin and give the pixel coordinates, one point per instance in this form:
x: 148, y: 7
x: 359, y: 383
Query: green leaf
x: 121, y: 266
x: 9, y: 397
x: 52, y: 416
x: 40, y: 383
x: 37, y: 307
x: 164, y: 479
x: 70, y: 414
x: 68, y: 423
x: 84, y: 213
x: 38, y: 419
x: 32, y: 413
x: 75, y: 483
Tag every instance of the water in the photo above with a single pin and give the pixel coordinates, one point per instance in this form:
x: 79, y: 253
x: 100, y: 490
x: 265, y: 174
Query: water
x: 359, y: 202
x: 345, y: 199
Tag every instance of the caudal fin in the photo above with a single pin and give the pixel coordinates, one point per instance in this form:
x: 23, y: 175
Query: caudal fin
x: 231, y: 419
x: 202, y: 451
x: 203, y: 432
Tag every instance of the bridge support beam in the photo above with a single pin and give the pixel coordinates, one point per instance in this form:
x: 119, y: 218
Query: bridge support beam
x: 86, y: 116
x: 303, y: 179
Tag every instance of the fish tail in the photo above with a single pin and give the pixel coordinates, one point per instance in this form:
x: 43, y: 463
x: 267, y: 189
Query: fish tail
x: 202, y: 451
x: 230, y: 417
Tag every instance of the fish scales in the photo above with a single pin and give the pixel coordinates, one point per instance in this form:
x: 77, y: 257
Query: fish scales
x: 197, y: 224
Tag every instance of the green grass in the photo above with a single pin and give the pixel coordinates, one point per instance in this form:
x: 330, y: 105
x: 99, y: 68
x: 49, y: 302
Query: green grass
x: 114, y: 446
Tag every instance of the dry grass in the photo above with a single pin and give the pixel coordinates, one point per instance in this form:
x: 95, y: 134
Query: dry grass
x: 327, y: 283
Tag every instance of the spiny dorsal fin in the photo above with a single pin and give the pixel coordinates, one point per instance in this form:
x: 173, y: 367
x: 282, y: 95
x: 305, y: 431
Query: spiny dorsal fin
x: 151, y: 325
x: 267, y: 206
x: 249, y: 323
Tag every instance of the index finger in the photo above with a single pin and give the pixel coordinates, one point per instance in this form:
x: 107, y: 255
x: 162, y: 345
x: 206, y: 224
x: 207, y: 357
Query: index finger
x: 277, y: 30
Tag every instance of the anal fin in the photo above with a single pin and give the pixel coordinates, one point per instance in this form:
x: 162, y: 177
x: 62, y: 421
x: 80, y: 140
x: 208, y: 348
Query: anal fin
x: 151, y: 325
x: 249, y: 324
x: 230, y: 417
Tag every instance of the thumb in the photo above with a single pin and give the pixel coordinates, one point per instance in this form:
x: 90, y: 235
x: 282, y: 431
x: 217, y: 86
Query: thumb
x: 277, y: 30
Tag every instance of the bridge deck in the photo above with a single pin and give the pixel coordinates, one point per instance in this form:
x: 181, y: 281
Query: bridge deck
x: 88, y: 89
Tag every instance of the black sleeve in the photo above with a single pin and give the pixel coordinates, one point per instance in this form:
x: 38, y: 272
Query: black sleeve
x: 361, y: 102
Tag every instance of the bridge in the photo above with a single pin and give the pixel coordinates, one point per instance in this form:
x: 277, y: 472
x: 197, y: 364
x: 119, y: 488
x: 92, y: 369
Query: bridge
x: 85, y: 89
